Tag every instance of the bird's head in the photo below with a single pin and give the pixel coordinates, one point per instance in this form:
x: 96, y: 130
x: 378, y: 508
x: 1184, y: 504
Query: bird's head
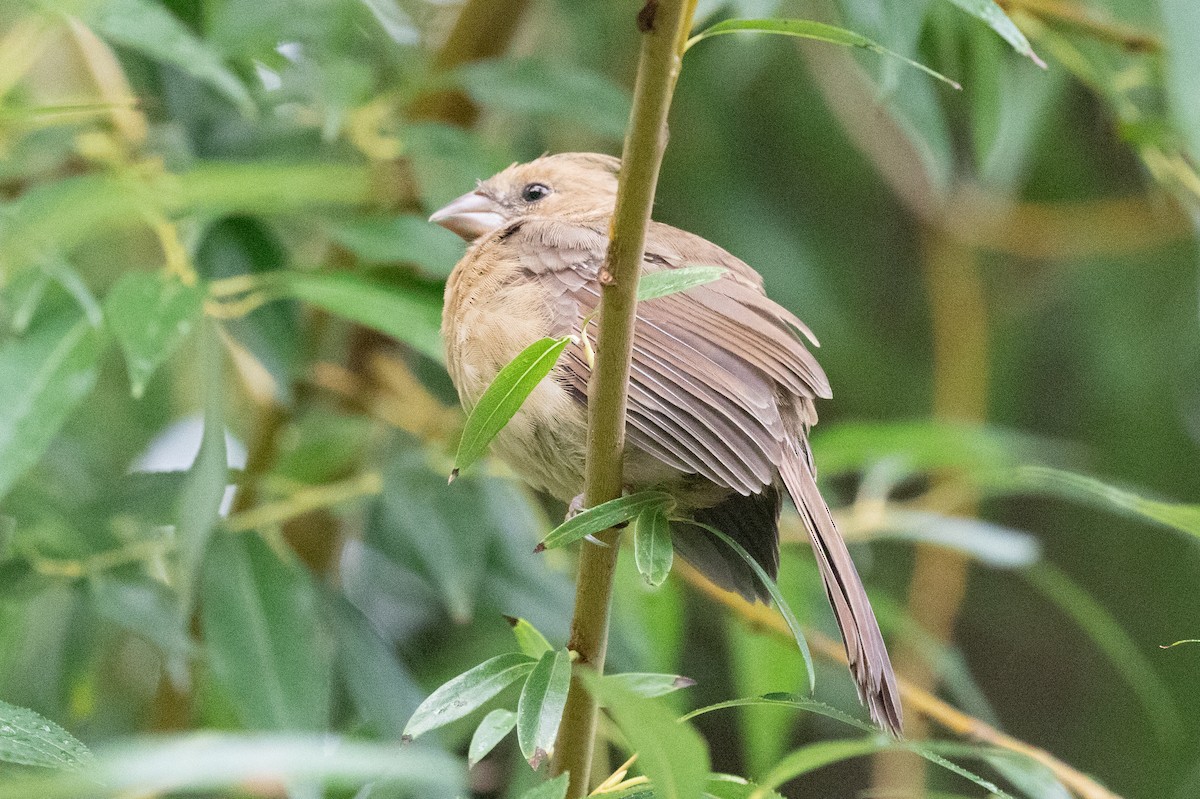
x: 573, y: 186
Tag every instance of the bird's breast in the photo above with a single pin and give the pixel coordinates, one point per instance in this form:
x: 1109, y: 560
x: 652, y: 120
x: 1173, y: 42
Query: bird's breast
x: 490, y: 315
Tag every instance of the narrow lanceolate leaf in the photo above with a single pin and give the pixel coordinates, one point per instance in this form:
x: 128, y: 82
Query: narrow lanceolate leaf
x: 377, y: 682
x: 264, y: 638
x: 540, y: 708
x: 994, y: 17
x: 200, y: 500
x: 603, y: 516
x: 807, y: 29
x: 670, y: 753
x: 551, y: 789
x: 925, y: 750
x: 151, y: 29
x: 31, y: 740
x: 529, y: 638
x: 404, y: 313
x: 818, y: 755
x: 1180, y: 21
x: 652, y: 550
x: 648, y: 685
x: 211, y: 763
x: 43, y: 376
x: 468, y: 691
x: 672, y: 281
x: 504, y: 397
x: 491, y: 731
x: 150, y: 314
x: 776, y: 597
x: 1045, y: 480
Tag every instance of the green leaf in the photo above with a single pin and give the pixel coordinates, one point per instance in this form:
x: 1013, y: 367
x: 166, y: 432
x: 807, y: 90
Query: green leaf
x: 532, y: 88
x: 760, y: 663
x: 206, y: 762
x: 728, y: 786
x: 63, y: 214
x: 776, y: 596
x: 491, y: 731
x: 407, y: 316
x: 44, y: 375
x: 529, y: 638
x: 443, y: 531
x: 143, y: 606
x: 468, y: 691
x: 31, y: 740
x: 603, y: 516
x: 1180, y: 21
x: 382, y: 690
x: 150, y: 29
x: 1089, y: 490
x: 400, y: 239
x: 670, y: 752
x: 540, y: 708
x: 150, y: 315
x: 199, y: 507
x: 924, y: 749
x: 652, y: 551
x: 992, y: 544
x: 921, y: 446
x: 672, y: 281
x: 995, y: 18
x: 807, y: 29
x: 648, y: 685
x: 551, y: 789
x: 818, y: 755
x: 718, y: 786
x: 266, y: 646
x: 504, y: 397
x: 445, y: 158
x: 1184, y: 641
x: 244, y: 247
x: 1122, y: 651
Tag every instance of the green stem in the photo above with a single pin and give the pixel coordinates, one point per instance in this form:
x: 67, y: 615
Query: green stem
x: 665, y: 25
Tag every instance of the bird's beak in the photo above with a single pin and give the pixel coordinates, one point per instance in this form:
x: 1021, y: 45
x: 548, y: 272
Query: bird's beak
x: 470, y: 216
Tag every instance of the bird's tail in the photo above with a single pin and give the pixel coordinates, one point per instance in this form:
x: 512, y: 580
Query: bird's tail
x: 869, y: 662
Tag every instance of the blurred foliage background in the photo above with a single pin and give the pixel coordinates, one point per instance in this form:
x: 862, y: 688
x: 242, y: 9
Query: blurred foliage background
x: 225, y: 429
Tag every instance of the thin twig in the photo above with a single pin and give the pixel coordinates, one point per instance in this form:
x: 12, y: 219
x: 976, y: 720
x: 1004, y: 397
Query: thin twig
x: 665, y: 25
x: 915, y: 699
x: 304, y: 501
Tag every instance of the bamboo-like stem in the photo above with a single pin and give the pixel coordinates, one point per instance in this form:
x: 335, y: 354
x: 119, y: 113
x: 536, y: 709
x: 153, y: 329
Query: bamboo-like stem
x: 665, y: 25
x: 916, y: 700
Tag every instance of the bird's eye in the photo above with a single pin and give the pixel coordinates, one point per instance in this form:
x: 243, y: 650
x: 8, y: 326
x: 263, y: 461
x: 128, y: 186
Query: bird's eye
x: 534, y: 192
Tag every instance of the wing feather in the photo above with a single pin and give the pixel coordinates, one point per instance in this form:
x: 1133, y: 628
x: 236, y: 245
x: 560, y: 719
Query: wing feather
x: 709, y: 364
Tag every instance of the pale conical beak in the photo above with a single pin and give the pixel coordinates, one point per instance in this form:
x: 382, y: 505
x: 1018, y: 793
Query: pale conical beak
x: 470, y: 216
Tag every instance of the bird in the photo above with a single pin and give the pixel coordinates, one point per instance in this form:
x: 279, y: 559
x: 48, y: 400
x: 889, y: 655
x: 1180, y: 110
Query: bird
x: 721, y: 392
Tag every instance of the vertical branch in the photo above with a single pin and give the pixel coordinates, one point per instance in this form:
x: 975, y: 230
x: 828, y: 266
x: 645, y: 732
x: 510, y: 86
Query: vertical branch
x: 665, y: 25
x: 958, y: 311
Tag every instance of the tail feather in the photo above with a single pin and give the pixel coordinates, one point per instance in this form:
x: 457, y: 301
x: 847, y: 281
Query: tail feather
x: 869, y: 662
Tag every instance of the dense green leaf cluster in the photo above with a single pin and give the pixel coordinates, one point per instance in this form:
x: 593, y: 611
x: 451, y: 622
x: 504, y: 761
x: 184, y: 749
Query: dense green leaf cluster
x: 229, y: 558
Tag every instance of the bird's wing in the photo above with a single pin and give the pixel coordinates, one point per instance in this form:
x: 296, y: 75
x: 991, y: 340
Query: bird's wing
x: 717, y: 369
x: 721, y: 385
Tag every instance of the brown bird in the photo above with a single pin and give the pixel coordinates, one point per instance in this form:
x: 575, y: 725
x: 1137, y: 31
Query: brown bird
x: 721, y: 393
